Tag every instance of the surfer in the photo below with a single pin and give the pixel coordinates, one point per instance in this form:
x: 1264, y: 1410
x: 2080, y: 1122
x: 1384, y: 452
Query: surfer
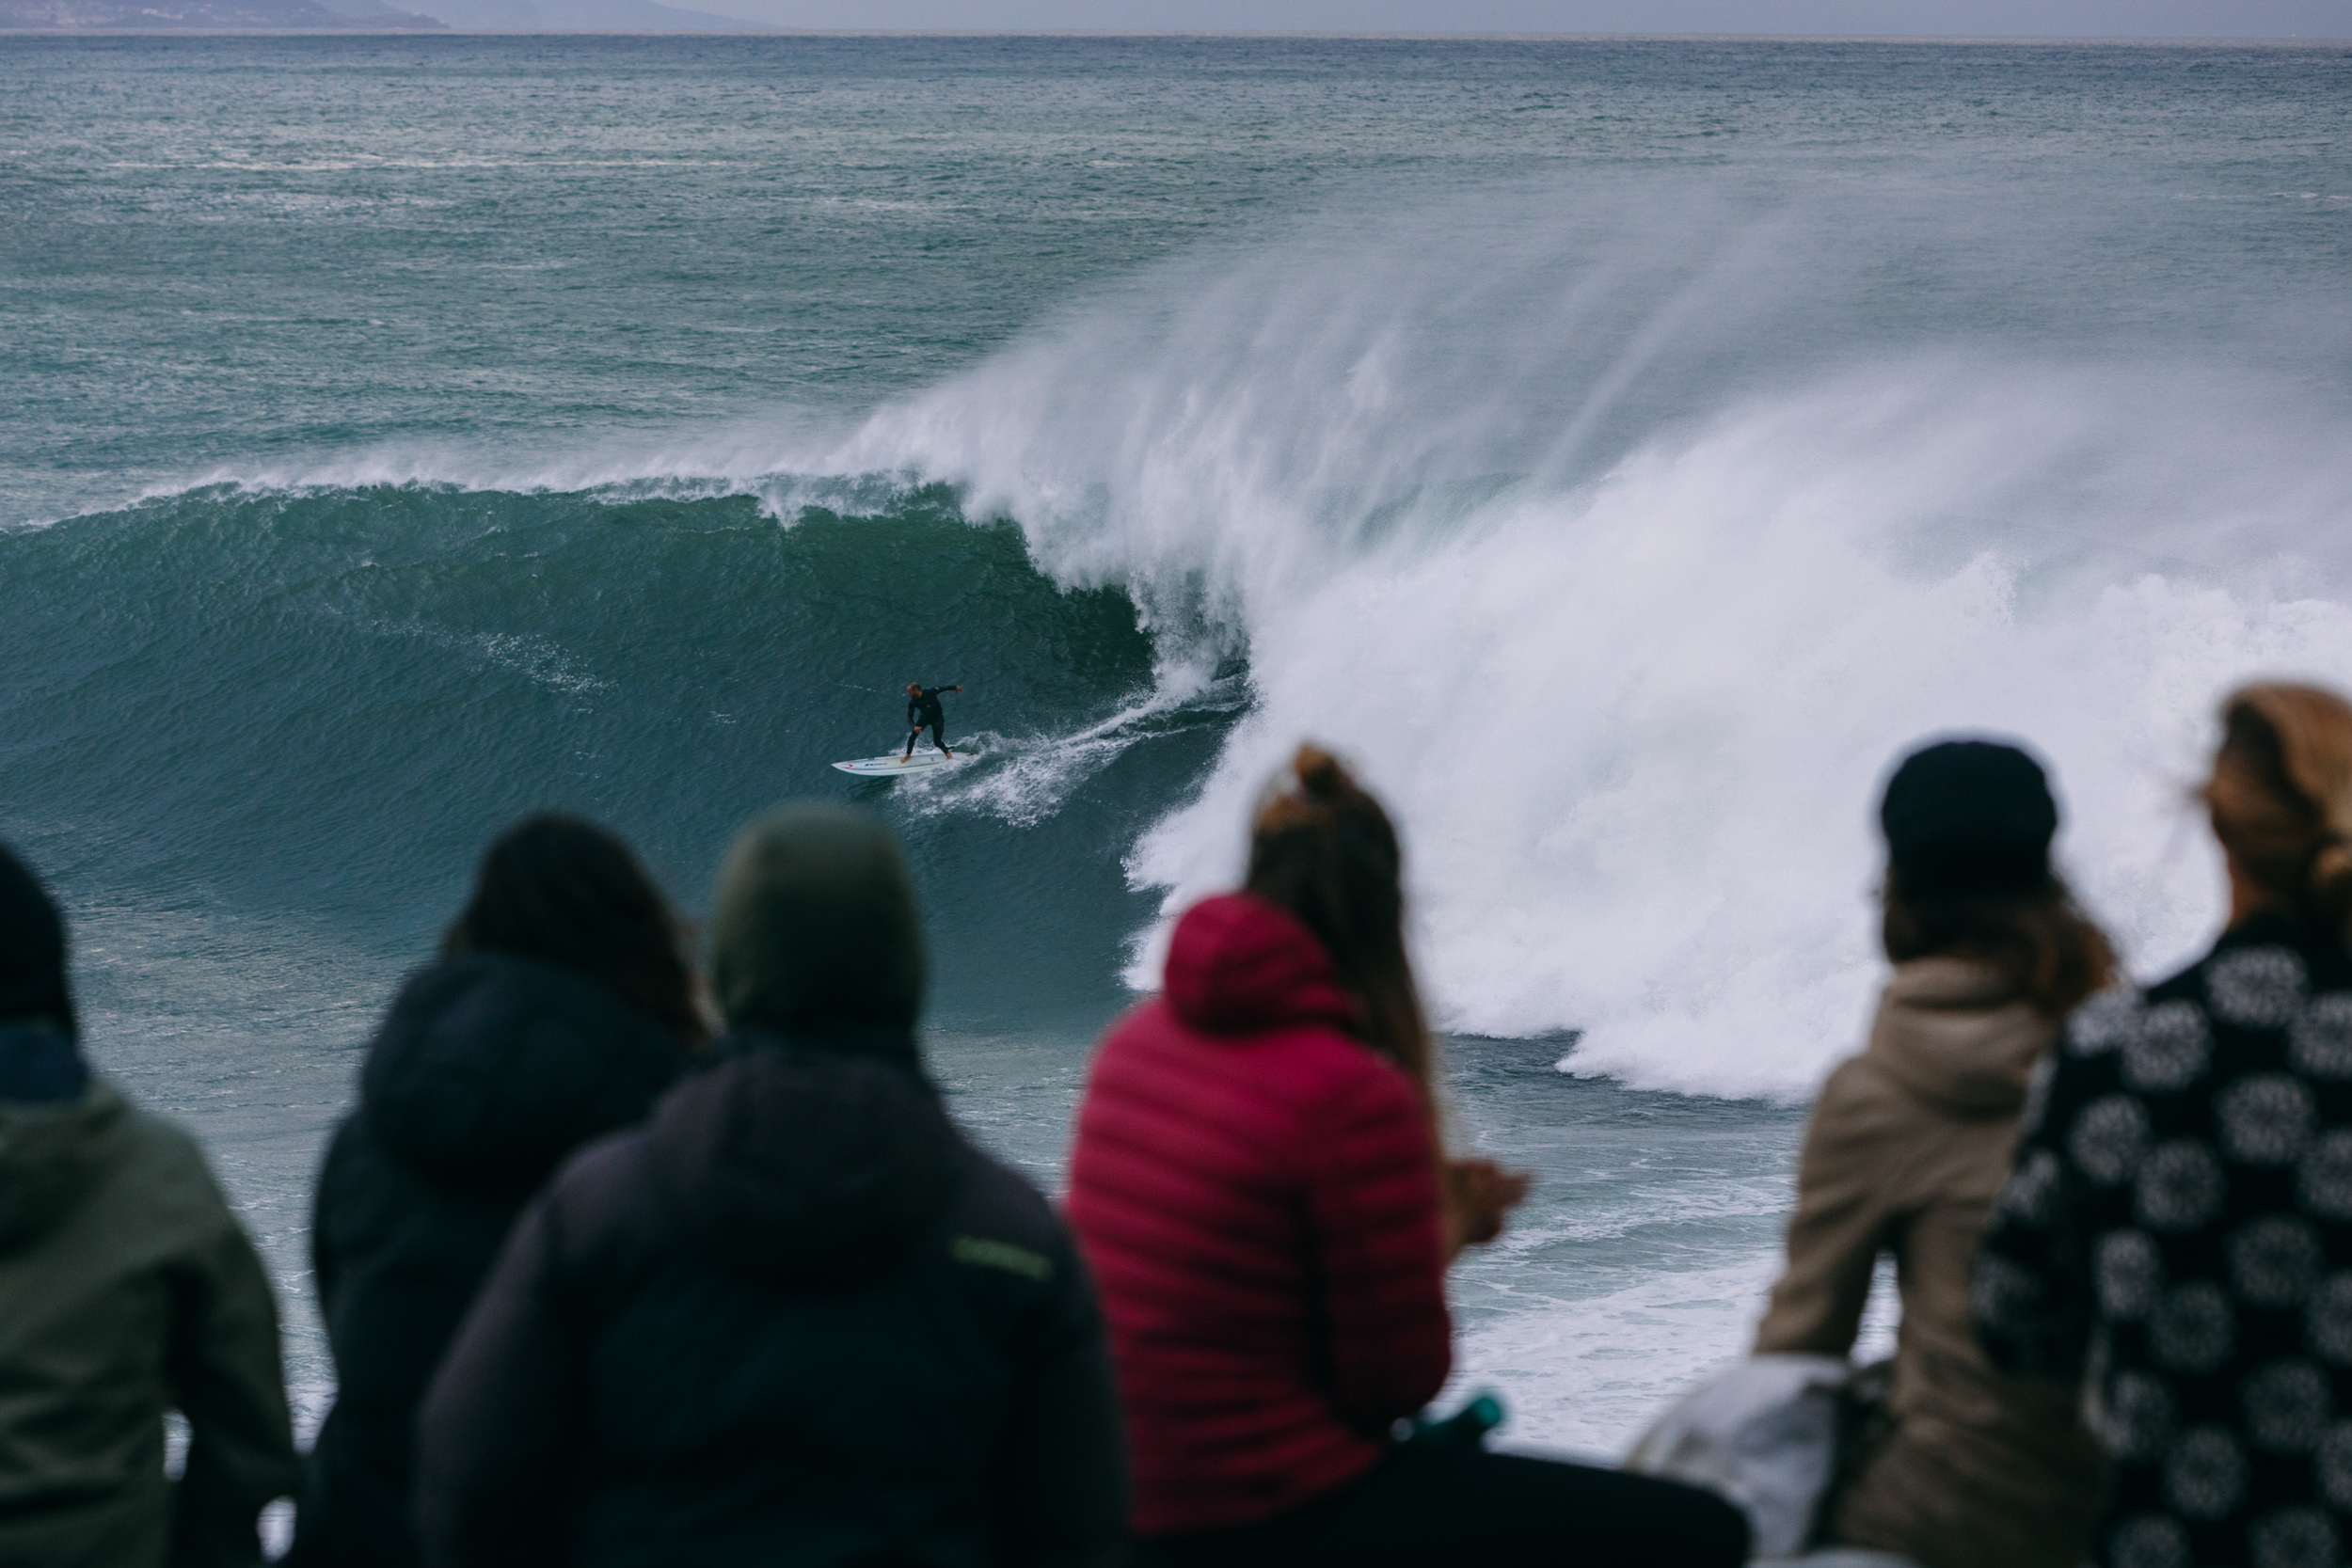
x: 923, y: 712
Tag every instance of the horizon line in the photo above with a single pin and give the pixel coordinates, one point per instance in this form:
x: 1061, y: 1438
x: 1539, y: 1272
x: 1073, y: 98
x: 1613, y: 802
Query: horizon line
x: 761, y: 29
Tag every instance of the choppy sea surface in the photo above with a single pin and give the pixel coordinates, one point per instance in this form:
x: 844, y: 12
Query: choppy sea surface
x: 1620, y: 447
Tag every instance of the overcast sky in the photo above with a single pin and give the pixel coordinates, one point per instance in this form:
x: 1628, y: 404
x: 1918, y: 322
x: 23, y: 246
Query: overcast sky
x: 1944, y: 18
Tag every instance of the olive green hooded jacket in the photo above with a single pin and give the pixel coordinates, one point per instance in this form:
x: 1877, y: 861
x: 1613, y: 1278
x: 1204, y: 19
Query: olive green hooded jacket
x: 126, y: 1290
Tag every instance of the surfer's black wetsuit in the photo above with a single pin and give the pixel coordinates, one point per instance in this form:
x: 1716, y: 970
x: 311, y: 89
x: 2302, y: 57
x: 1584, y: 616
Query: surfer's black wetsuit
x: 923, y: 712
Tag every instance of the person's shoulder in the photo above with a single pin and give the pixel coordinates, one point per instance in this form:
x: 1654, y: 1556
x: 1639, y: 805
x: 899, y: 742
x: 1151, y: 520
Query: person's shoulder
x: 1859, y: 1084
x: 1863, y: 1106
x: 2098, y: 1028
x: 604, y: 1204
x: 1346, y: 1104
x: 157, y: 1146
x: 2261, y: 970
x: 1013, y: 1258
x: 1324, y: 1060
x: 1140, y: 1025
x: 999, y: 1202
x: 604, y: 1171
x: 1306, y: 1062
x: 356, y: 1157
x: 159, y: 1170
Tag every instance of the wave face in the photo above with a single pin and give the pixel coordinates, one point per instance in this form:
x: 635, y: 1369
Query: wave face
x: 325, y: 699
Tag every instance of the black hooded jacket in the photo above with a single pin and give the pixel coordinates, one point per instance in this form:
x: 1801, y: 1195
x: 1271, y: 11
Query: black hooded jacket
x: 487, y: 1073
x: 796, y: 1319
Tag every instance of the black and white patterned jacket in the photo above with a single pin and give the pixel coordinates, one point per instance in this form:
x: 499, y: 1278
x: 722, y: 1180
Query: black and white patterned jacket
x: 2177, y: 1231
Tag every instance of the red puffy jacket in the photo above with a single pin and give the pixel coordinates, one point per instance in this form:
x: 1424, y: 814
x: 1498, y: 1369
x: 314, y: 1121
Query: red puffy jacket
x: 1257, y: 1193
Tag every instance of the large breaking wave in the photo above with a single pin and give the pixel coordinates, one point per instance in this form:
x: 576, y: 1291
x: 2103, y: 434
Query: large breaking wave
x: 1624, y: 541
x: 1625, y: 547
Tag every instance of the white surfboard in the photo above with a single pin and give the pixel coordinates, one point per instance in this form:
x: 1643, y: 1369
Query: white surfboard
x: 895, y: 767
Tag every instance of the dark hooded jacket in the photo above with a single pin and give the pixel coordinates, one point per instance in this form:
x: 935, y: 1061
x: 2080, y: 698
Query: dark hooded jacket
x: 794, y: 1319
x: 487, y: 1073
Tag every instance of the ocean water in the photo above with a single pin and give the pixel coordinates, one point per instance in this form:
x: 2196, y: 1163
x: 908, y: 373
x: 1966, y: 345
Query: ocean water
x: 1621, y: 448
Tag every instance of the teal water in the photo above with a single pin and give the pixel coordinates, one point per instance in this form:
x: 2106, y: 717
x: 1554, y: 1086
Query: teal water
x: 1620, y: 447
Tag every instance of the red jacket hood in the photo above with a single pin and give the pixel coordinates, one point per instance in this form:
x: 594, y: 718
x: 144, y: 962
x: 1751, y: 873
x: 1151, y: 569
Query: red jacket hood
x: 1238, y: 964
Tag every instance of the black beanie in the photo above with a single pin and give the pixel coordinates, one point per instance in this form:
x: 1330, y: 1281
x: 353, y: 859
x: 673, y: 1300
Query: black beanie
x: 816, y: 924
x: 1968, y: 817
x: 32, y: 949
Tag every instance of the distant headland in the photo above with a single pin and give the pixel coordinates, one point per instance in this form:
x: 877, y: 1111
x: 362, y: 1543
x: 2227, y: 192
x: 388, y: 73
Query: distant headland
x: 361, y: 16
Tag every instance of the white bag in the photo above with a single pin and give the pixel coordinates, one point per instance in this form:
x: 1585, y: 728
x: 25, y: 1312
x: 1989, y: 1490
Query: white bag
x: 1762, y: 1434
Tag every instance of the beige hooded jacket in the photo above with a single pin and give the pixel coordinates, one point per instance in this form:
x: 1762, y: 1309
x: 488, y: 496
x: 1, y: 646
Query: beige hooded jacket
x: 1908, y: 1146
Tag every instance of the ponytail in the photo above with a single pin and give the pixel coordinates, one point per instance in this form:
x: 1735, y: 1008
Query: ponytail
x: 1326, y: 852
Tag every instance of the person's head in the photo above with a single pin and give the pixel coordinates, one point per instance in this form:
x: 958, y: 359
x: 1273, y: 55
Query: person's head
x: 564, y: 892
x: 1322, y: 848
x: 32, y: 950
x: 2281, y: 798
x: 1968, y: 825
x: 914, y: 689
x: 816, y: 924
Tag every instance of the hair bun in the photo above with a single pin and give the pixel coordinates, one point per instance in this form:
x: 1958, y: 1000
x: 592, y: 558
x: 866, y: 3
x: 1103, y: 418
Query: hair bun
x: 1320, y: 775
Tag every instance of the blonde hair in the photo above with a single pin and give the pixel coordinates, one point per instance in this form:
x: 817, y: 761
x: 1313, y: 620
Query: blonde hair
x: 1323, y: 848
x: 2281, y: 795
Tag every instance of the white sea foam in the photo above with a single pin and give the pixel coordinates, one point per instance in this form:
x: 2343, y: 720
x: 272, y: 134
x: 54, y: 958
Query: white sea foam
x: 1625, y: 603
x: 1586, y: 1375
x: 1024, y: 779
x: 1564, y: 1371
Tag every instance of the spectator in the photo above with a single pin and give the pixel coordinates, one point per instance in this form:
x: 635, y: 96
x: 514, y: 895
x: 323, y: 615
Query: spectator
x: 560, y: 1009
x: 1257, y: 1180
x: 126, y: 1290
x: 2178, y: 1227
x: 796, y: 1318
x: 1909, y: 1143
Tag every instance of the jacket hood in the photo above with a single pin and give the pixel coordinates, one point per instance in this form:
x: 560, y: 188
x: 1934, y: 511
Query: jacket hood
x: 38, y: 1062
x: 815, y: 923
x: 1956, y: 1033
x: 489, y: 1069
x: 49, y: 1154
x: 1238, y: 964
x: 32, y: 949
x: 805, y: 1159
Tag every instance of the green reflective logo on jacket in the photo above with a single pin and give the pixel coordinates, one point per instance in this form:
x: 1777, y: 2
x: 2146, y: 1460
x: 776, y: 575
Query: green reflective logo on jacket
x: 986, y: 1254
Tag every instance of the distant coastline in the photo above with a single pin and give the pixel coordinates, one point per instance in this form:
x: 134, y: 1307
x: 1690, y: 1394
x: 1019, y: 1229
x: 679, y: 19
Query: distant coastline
x: 361, y: 16
x: 109, y: 16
